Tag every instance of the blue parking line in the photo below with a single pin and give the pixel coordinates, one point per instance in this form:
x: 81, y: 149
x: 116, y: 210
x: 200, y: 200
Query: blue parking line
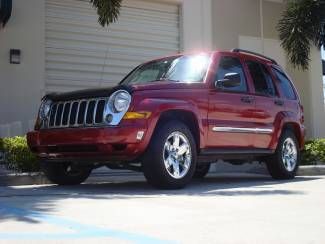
x: 79, y: 230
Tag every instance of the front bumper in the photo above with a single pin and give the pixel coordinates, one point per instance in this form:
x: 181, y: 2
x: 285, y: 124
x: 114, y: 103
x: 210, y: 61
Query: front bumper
x: 90, y: 144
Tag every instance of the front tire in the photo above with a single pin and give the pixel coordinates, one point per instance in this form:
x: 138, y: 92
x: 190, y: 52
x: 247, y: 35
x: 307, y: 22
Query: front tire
x: 201, y: 170
x: 283, y: 165
x: 171, y: 158
x: 65, y: 173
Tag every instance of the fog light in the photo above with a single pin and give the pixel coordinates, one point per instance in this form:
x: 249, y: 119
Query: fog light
x: 109, y: 118
x: 140, y: 135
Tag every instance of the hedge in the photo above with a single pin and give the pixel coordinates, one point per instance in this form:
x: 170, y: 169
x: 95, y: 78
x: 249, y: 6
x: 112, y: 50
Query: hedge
x: 18, y: 157
x: 314, y: 152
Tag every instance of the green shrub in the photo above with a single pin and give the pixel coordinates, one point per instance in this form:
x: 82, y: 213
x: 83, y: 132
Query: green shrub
x: 314, y: 152
x: 18, y: 156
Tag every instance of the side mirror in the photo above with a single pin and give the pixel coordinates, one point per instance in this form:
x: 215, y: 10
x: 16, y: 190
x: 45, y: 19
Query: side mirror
x: 229, y: 81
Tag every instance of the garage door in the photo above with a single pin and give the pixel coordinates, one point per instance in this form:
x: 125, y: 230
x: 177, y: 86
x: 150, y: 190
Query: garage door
x: 81, y: 54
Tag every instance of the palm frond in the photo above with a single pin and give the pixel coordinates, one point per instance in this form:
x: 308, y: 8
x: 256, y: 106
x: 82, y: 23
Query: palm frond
x: 108, y: 10
x: 300, y: 27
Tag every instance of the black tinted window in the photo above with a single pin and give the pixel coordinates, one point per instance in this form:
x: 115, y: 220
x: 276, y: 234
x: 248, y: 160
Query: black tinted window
x: 262, y: 80
x: 285, y: 85
x: 231, y: 65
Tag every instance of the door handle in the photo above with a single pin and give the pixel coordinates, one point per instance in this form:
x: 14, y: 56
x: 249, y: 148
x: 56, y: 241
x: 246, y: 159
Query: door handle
x: 279, y: 102
x: 247, y: 99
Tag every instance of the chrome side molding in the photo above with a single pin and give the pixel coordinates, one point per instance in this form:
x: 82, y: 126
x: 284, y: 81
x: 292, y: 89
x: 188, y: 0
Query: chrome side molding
x: 242, y: 130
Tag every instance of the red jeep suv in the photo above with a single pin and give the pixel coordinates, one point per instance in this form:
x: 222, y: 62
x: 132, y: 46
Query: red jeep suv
x: 171, y: 118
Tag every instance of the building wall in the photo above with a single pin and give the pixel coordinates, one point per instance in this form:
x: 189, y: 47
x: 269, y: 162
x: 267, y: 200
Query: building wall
x: 316, y: 98
x: 22, y: 84
x: 197, y: 25
x: 233, y: 18
x: 252, y: 24
x: 206, y: 25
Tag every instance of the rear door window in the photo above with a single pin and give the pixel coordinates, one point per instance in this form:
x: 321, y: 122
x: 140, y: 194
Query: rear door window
x: 285, y: 85
x: 262, y: 80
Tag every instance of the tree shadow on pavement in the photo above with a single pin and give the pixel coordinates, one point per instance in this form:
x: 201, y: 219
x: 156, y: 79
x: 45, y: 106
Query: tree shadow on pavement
x: 43, y: 199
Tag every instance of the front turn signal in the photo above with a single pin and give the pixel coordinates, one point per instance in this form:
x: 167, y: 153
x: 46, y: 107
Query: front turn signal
x: 137, y: 115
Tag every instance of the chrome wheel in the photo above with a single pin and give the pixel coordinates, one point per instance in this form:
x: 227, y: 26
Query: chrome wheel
x: 177, y: 155
x: 289, y: 154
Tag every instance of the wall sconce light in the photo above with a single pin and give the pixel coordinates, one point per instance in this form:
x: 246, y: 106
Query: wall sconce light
x: 15, y: 55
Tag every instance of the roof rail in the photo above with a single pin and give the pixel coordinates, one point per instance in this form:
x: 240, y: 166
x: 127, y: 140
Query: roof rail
x: 238, y: 50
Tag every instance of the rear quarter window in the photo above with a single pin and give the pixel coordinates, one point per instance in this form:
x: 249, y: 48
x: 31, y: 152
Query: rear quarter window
x: 285, y: 85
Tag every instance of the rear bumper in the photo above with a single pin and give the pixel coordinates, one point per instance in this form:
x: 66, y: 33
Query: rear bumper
x: 89, y: 144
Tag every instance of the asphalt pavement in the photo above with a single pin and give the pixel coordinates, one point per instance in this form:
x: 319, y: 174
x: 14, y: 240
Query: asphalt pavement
x: 232, y: 208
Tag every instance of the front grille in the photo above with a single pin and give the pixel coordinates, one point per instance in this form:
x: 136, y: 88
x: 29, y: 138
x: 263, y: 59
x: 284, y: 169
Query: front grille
x: 77, y: 113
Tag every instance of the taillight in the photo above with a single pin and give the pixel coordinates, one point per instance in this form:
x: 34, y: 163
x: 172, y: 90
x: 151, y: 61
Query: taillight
x: 302, y: 116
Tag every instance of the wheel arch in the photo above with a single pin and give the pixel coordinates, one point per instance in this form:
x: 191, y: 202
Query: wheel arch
x: 286, y: 121
x: 295, y: 128
x: 185, y: 116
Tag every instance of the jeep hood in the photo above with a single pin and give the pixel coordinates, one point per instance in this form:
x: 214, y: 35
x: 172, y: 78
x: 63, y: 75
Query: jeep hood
x: 87, y: 93
x: 167, y: 85
x: 107, y: 91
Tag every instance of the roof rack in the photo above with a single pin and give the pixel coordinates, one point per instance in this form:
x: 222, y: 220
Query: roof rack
x: 238, y: 50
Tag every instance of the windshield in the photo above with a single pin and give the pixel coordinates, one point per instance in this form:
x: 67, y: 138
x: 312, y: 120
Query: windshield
x: 191, y: 68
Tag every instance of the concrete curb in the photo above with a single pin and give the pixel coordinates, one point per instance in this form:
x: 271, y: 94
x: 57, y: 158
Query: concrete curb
x: 21, y: 179
x: 312, y: 170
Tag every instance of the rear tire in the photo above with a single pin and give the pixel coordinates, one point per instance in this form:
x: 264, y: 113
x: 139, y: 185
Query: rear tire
x: 65, y: 174
x: 283, y: 165
x: 201, y: 170
x: 169, y: 163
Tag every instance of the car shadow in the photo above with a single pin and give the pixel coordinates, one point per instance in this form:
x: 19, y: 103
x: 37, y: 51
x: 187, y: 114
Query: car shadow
x: 43, y: 199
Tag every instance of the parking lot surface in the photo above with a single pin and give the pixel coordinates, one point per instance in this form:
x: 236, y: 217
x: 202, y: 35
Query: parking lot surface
x: 124, y: 209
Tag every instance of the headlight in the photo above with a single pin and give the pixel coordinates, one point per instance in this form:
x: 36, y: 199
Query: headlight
x: 121, y: 101
x: 116, y: 107
x: 45, y: 109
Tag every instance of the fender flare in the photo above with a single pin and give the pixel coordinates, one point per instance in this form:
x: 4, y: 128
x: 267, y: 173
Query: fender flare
x: 159, y: 106
x: 281, y: 121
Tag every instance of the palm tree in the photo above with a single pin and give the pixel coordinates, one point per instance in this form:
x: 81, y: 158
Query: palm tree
x: 301, y: 26
x: 107, y: 10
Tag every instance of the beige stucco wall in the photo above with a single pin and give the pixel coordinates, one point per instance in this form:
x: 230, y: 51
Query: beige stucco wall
x: 196, y: 25
x: 271, y: 14
x: 21, y: 84
x: 232, y: 18
x: 236, y: 20
x: 205, y: 24
x: 316, y: 99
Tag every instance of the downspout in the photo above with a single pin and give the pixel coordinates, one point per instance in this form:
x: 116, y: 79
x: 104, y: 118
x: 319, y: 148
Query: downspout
x: 262, y: 25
